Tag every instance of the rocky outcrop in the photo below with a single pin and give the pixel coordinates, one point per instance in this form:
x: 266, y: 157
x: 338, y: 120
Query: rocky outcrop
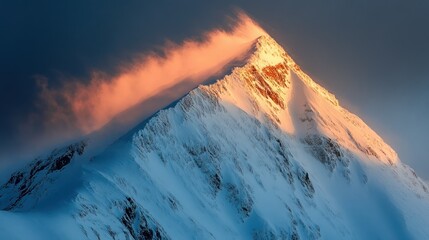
x: 36, y: 177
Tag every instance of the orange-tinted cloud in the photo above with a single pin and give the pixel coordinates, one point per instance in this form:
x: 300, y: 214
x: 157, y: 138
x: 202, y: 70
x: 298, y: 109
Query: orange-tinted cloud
x: 95, y: 104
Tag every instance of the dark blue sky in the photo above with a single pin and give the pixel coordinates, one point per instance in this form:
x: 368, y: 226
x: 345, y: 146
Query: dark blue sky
x: 373, y: 55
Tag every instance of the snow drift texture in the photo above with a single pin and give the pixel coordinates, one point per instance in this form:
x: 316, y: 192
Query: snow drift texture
x: 264, y: 153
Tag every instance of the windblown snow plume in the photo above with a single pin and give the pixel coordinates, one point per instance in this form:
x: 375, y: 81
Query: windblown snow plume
x: 150, y: 82
x: 94, y: 104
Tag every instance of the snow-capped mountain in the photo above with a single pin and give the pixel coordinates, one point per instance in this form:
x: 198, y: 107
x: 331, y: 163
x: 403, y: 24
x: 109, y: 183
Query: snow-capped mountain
x: 263, y: 153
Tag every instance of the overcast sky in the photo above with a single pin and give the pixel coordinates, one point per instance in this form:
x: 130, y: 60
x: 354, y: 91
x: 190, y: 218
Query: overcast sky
x: 373, y: 55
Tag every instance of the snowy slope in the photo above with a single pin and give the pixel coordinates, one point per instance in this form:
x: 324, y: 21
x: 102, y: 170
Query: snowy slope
x: 263, y: 153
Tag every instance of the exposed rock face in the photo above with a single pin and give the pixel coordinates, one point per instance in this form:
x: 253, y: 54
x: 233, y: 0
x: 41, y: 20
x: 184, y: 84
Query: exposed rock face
x: 29, y: 184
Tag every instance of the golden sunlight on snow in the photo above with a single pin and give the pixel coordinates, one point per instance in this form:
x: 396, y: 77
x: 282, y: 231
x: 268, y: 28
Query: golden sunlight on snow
x: 272, y: 88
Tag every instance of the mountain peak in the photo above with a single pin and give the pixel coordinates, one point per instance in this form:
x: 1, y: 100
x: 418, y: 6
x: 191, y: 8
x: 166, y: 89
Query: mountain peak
x: 272, y: 87
x: 269, y: 53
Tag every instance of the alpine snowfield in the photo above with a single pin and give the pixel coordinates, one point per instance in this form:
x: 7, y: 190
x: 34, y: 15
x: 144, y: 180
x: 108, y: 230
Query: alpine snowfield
x: 263, y: 153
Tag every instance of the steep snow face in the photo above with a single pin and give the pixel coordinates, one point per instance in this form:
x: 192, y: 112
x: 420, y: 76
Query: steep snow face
x: 264, y: 153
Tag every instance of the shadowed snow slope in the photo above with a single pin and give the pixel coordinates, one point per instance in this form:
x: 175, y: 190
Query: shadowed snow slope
x: 264, y: 153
